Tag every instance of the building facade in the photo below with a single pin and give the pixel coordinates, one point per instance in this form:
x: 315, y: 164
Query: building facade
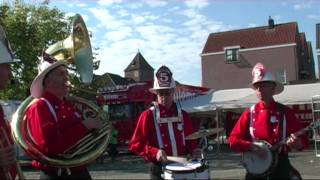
x: 228, y: 57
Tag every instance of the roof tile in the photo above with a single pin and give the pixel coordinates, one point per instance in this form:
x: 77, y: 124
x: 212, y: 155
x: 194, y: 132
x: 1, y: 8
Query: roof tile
x: 252, y: 37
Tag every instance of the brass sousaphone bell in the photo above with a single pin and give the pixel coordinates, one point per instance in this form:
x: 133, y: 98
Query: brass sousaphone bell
x: 76, y: 49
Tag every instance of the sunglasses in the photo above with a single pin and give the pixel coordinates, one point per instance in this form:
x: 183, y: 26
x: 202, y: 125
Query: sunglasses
x: 264, y: 84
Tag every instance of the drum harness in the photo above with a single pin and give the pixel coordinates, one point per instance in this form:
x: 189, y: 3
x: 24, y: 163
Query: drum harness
x: 170, y: 120
x: 157, y: 120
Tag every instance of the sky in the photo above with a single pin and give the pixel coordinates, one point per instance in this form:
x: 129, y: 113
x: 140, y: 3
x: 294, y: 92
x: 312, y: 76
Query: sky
x: 174, y: 32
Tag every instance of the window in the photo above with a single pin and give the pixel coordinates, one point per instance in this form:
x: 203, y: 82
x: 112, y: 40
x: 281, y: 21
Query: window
x: 281, y: 76
x: 232, y: 55
x: 136, y: 73
x: 120, y: 112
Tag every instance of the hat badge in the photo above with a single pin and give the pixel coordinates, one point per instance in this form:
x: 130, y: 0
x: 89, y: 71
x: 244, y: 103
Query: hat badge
x: 258, y: 72
x: 164, y: 77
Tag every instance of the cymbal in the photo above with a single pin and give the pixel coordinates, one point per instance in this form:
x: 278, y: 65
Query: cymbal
x: 204, y: 132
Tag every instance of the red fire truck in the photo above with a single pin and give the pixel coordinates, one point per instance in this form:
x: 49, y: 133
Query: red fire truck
x: 125, y: 105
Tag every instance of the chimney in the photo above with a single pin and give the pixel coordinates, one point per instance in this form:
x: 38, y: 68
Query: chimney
x: 271, y: 23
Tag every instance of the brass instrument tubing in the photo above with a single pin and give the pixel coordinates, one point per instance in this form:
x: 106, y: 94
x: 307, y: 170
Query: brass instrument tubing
x: 18, y: 168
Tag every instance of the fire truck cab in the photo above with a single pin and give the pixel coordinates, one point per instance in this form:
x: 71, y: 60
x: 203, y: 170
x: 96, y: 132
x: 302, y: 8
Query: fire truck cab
x: 125, y: 104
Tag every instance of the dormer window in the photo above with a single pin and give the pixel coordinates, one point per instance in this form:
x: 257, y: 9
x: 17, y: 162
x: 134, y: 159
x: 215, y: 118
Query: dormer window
x: 231, y: 54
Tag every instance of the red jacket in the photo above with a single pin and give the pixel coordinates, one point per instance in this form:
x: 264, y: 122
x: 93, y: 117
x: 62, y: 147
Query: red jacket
x: 4, y: 126
x: 144, y: 140
x: 265, y: 127
x: 53, y: 136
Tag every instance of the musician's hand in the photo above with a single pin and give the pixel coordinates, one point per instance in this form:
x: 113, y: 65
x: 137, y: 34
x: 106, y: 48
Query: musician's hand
x: 294, y: 142
x: 7, y: 157
x: 161, y: 156
x: 197, y: 154
x: 92, y: 123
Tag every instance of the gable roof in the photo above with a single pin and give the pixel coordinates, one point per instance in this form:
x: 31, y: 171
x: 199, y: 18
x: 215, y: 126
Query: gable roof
x: 114, y: 79
x: 138, y: 62
x: 252, y: 37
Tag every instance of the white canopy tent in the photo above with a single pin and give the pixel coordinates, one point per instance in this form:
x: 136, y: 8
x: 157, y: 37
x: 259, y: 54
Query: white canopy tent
x: 213, y: 103
x: 245, y: 97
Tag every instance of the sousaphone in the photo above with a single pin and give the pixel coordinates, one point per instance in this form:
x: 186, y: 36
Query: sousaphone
x: 76, y: 49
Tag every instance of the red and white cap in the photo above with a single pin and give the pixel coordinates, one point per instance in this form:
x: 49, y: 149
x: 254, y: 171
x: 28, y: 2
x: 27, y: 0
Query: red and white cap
x: 163, y: 79
x: 259, y: 74
x: 47, y: 64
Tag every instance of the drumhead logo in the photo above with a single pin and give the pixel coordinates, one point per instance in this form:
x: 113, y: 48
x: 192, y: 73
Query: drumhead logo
x: 164, y: 76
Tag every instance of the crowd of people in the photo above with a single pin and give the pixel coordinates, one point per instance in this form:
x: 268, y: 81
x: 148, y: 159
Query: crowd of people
x: 160, y: 134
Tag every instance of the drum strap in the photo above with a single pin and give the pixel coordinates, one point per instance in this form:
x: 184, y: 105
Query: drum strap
x: 154, y: 112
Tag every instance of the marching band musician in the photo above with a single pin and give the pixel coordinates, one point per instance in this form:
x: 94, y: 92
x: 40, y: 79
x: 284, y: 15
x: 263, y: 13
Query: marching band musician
x: 7, y: 150
x: 270, y: 121
x: 54, y: 123
x: 161, y: 129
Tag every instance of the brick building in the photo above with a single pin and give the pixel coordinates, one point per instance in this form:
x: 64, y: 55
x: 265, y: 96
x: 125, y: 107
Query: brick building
x: 228, y: 57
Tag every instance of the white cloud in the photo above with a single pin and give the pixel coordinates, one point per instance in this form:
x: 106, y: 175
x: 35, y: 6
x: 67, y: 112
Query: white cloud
x: 314, y: 17
x: 108, y: 2
x: 138, y: 19
x: 123, y: 13
x: 173, y: 9
x: 82, y: 5
x: 196, y: 3
x: 118, y: 35
x: 135, y: 5
x: 277, y: 17
x: 115, y: 57
x: 251, y: 25
x: 305, y: 4
x: 107, y: 20
x: 156, y: 3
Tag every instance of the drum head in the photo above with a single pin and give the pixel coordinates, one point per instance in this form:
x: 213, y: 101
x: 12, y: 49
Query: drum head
x: 183, y: 167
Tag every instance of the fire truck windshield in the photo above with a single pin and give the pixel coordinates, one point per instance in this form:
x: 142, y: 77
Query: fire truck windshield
x: 120, y: 112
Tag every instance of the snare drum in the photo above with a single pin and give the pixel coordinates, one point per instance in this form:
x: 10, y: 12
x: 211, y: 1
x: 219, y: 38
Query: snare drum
x: 191, y: 170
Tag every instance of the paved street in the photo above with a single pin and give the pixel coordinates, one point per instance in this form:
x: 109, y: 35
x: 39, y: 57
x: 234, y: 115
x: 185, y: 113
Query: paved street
x: 223, y: 165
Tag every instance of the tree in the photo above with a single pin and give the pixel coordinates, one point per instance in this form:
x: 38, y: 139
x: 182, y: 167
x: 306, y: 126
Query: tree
x: 30, y: 29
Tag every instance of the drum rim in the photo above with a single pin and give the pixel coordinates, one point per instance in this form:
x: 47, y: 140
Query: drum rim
x: 197, y: 170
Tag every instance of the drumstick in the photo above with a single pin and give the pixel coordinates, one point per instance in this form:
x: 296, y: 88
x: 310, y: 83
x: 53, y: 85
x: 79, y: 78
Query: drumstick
x: 177, y: 159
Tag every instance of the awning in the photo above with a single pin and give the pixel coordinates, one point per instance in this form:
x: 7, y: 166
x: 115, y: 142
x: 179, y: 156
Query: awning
x: 245, y: 97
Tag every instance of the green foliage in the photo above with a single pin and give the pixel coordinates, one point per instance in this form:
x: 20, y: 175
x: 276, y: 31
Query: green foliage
x: 30, y: 29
